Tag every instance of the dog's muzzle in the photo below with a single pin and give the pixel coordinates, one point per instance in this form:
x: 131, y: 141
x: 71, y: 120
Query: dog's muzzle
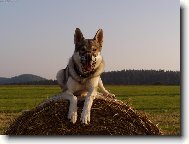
x: 88, y: 61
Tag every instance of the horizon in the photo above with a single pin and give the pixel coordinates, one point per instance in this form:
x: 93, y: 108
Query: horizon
x: 103, y: 72
x: 37, y: 37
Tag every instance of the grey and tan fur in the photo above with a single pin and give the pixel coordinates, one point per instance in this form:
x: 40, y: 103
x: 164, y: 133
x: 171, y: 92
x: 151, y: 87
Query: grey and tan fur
x: 82, y: 75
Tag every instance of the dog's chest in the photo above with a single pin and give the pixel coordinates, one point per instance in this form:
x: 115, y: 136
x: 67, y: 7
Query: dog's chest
x: 78, y: 85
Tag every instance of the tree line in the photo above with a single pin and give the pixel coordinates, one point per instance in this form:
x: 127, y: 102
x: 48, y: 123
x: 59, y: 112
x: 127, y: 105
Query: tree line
x: 139, y: 77
x: 130, y: 77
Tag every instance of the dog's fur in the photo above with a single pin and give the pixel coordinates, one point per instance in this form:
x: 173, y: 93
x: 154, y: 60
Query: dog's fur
x: 82, y: 74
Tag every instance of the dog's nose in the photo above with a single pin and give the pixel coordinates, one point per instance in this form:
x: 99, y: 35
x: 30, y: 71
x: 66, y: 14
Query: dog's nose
x: 89, y: 56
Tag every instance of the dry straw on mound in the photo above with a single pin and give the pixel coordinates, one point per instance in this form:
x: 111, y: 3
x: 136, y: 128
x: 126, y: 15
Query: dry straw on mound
x: 108, y: 117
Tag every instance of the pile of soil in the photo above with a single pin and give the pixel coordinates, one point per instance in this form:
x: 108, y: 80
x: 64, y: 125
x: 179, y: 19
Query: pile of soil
x: 108, y: 117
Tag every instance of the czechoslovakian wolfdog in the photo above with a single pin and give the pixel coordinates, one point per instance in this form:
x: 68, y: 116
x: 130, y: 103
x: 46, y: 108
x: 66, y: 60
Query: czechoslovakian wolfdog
x: 82, y: 75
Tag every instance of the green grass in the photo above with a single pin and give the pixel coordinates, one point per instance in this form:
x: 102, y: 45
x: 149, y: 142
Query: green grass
x: 18, y: 98
x: 149, y: 98
x: 160, y: 103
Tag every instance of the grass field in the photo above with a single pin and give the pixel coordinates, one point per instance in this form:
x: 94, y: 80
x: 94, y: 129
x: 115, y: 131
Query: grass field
x: 160, y: 103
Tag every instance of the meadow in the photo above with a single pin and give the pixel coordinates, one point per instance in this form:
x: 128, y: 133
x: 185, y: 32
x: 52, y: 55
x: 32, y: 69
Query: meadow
x: 161, y: 104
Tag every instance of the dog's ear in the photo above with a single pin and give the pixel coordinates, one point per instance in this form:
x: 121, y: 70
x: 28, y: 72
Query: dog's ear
x: 78, y: 36
x: 99, y: 36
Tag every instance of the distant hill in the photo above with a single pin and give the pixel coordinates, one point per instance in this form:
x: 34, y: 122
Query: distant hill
x: 24, y: 78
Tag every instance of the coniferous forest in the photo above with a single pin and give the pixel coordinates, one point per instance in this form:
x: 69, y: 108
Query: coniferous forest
x: 139, y: 77
x: 125, y: 77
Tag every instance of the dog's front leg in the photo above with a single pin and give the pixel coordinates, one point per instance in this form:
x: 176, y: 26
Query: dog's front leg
x: 67, y: 95
x: 85, y: 115
x: 72, y: 114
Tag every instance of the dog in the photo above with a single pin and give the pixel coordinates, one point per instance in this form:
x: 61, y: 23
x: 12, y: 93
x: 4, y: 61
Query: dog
x: 82, y: 75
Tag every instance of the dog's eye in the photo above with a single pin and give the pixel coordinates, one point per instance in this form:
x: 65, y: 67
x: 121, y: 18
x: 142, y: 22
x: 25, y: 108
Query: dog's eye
x: 94, y: 50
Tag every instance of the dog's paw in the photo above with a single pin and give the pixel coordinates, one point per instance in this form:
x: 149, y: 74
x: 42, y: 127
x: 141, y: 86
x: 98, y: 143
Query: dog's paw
x: 112, y: 95
x: 73, y: 117
x: 85, y: 117
x: 72, y: 114
x: 109, y: 95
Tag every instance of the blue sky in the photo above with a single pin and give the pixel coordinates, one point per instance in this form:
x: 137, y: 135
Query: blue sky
x: 36, y: 36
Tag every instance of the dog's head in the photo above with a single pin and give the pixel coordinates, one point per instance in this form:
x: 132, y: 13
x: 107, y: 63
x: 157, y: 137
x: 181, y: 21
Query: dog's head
x: 88, y: 51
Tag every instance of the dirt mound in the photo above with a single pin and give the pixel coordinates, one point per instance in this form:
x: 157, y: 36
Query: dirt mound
x: 108, y: 117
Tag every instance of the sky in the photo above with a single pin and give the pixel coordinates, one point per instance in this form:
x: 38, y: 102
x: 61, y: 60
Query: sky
x: 37, y: 36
